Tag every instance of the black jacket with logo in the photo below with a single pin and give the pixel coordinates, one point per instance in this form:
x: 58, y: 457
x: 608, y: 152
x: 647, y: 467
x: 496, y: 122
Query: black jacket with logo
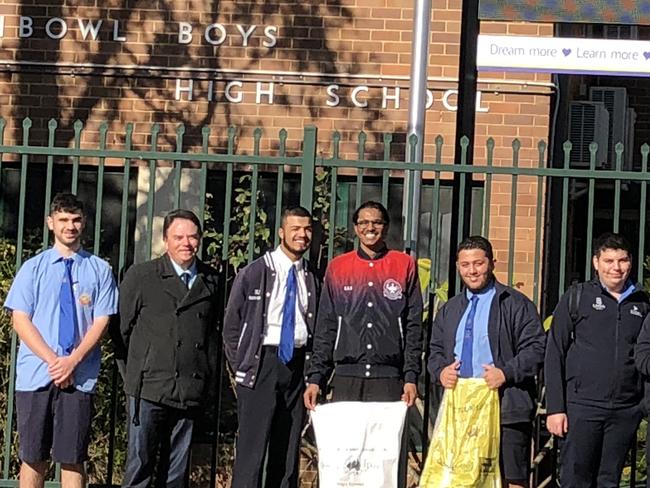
x: 369, y: 319
x: 596, y: 366
x: 245, y: 322
x: 516, y: 340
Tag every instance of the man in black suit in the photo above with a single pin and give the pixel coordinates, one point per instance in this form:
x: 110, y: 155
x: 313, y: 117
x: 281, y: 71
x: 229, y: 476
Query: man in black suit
x: 168, y: 310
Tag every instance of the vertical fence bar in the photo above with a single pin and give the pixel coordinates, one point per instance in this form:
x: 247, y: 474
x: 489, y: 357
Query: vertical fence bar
x: 151, y: 194
x: 203, y: 186
x: 178, y: 165
x: 27, y: 124
x: 516, y: 146
x: 541, y: 147
x: 257, y: 134
x: 385, y: 175
x: 361, y: 150
x: 121, y: 263
x: 645, y: 150
x: 617, y: 187
x: 279, y: 189
x: 308, y: 167
x: 3, y: 124
x: 225, y: 271
x: 565, y: 209
x: 228, y: 198
x: 336, y: 141
x: 51, y: 126
x: 103, y: 129
x: 593, y: 148
x: 464, y: 144
x: 124, y: 211
x: 487, y: 194
x: 78, y: 127
x: 433, y: 285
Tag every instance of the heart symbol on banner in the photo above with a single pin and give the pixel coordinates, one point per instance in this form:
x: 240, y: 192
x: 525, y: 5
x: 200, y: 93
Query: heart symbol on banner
x: 646, y: 55
x: 566, y: 51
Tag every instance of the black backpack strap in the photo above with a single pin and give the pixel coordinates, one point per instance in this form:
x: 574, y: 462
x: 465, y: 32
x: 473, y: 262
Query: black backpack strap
x: 575, y: 292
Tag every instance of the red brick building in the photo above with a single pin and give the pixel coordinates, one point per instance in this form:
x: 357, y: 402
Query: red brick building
x: 342, y: 65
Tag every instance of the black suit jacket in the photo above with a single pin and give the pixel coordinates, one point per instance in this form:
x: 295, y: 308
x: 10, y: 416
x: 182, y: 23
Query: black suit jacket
x: 170, y: 332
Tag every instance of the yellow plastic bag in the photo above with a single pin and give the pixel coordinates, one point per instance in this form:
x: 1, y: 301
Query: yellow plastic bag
x: 464, y: 450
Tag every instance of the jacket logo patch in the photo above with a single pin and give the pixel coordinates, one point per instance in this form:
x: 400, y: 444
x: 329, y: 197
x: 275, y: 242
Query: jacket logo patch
x: 598, y: 305
x: 392, y: 289
x: 635, y: 311
x: 347, y: 288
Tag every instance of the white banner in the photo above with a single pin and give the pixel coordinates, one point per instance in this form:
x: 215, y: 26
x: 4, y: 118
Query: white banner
x: 358, y: 443
x: 563, y: 55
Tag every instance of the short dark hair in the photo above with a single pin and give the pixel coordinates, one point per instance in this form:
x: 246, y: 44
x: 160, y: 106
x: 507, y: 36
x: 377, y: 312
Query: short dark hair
x: 180, y: 213
x: 610, y: 240
x: 476, y: 242
x: 295, y: 211
x: 376, y: 206
x: 66, y: 202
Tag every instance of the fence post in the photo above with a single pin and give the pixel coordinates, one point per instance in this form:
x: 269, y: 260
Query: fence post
x: 308, y: 166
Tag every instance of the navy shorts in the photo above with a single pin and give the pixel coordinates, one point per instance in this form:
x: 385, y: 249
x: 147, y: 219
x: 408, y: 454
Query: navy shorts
x: 54, y: 423
x: 515, y: 451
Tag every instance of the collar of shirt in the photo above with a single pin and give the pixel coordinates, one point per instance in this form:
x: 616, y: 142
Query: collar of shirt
x: 630, y: 288
x: 179, y: 271
x: 55, y: 255
x: 283, y: 263
x: 481, y: 293
x: 380, y: 254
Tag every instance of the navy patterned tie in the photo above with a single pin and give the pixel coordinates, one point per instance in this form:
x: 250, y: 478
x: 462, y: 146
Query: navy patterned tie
x: 67, y: 311
x: 466, y: 358
x: 185, y: 276
x: 285, y: 350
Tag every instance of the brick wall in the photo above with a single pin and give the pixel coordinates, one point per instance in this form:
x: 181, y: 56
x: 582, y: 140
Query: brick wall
x: 351, y: 43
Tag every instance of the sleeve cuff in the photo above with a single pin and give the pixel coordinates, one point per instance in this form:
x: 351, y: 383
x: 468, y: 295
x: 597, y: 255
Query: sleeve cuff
x: 410, y: 377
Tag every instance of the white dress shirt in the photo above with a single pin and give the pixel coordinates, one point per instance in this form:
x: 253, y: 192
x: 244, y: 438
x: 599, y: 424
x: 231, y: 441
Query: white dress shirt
x: 282, y: 265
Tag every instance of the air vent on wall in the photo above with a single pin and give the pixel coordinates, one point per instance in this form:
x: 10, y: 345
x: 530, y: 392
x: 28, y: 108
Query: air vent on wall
x: 588, y: 122
x: 615, y: 100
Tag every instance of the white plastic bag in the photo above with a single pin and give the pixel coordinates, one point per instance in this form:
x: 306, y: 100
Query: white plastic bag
x: 358, y: 443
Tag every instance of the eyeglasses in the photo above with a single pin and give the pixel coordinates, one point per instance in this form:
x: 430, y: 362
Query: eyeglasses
x: 366, y: 223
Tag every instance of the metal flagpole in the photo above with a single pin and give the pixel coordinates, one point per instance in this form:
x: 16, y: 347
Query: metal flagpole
x: 416, y: 118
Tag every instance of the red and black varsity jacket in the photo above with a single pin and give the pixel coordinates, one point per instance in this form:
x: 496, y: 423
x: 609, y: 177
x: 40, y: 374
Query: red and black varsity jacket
x: 369, y: 319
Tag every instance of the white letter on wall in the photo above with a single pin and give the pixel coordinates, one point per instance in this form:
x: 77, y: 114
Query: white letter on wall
x: 186, y: 89
x: 184, y: 32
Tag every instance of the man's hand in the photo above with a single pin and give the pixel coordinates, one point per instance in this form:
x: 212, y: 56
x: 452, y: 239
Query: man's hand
x: 493, y: 376
x: 311, y: 396
x: 61, y: 370
x: 410, y: 394
x: 449, y: 375
x: 557, y: 424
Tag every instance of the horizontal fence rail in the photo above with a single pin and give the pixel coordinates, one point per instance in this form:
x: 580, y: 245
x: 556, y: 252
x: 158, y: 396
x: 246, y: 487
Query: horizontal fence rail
x: 239, y: 198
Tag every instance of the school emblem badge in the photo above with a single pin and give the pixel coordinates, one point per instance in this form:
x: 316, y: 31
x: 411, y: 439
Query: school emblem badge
x: 392, y: 289
x: 635, y: 311
x: 85, y: 299
x: 598, y: 305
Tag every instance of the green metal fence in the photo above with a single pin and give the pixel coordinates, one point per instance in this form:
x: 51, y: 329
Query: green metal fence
x: 239, y: 197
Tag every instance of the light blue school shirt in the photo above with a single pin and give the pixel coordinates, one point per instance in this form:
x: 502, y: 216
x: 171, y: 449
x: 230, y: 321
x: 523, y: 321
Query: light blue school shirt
x: 481, y: 352
x: 35, y: 291
x: 191, y: 270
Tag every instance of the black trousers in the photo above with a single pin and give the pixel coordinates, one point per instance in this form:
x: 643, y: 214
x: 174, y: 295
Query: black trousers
x: 271, y: 417
x: 597, y: 441
x: 353, y: 389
